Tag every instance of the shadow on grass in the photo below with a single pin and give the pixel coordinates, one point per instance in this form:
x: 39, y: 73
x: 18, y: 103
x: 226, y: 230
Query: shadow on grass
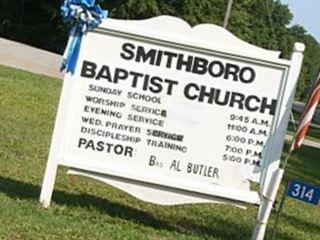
x: 223, y: 229
x: 303, y: 225
x: 300, y: 225
x: 215, y: 228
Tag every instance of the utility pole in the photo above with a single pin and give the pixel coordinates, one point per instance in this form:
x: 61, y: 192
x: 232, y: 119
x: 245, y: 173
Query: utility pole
x: 228, y: 12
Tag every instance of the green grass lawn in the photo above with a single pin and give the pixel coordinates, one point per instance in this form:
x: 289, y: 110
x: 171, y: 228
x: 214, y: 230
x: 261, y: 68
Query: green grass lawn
x: 86, y: 209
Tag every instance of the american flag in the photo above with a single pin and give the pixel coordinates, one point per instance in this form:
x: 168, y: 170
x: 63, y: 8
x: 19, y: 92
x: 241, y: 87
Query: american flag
x: 307, y: 116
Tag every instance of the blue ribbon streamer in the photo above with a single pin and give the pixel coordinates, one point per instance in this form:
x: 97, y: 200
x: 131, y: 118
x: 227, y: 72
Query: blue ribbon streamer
x: 81, y: 16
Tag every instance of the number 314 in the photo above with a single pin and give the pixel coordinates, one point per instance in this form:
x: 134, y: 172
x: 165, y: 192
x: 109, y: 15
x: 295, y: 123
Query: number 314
x: 302, y: 192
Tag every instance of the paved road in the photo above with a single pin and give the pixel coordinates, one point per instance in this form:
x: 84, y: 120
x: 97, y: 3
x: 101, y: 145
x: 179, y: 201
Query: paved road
x: 31, y: 59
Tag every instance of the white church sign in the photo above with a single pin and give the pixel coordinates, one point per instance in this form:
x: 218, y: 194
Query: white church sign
x: 173, y: 114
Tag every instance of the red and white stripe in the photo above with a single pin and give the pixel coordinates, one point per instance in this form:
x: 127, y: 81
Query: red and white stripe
x: 307, y: 116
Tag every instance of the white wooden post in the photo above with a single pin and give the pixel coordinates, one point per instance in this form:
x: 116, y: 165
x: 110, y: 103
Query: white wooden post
x: 266, y: 206
x: 56, y: 145
x: 273, y: 174
x: 48, y: 181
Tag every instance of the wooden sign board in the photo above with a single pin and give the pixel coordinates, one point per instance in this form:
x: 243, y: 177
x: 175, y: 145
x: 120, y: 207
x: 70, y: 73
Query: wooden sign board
x: 173, y: 114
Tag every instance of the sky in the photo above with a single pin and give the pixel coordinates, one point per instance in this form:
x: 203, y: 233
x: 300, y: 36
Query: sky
x: 307, y: 14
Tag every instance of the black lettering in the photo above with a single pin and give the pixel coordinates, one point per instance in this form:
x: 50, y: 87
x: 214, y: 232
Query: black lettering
x: 171, y: 83
x: 82, y: 141
x: 187, y: 63
x: 156, y: 85
x: 200, y: 65
x: 233, y: 70
x: 204, y: 93
x: 170, y: 56
x: 120, y: 74
x: 145, y: 56
x: 118, y: 149
x: 159, y: 58
x: 247, y: 103
x: 127, y: 48
x: 146, y: 82
x: 218, y: 100
x: 237, y: 98
x: 90, y: 144
x: 271, y: 107
x: 109, y: 145
x: 88, y: 69
x: 216, y: 173
x: 187, y: 91
x: 100, y: 147
x: 152, y: 160
x: 212, y: 71
x: 248, y: 79
x: 128, y: 151
x: 104, y: 73
x: 135, y: 75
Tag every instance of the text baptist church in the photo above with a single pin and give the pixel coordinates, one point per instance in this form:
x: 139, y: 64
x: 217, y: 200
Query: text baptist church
x: 193, y: 91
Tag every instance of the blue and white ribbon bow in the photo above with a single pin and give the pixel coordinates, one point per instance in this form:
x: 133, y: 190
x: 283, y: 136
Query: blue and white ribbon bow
x: 81, y: 16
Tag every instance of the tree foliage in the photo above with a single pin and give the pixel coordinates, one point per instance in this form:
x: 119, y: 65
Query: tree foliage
x: 261, y: 22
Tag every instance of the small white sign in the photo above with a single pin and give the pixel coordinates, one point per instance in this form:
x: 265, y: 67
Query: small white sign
x: 156, y: 103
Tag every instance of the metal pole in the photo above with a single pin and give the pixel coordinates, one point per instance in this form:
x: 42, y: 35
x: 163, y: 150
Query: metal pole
x: 228, y: 12
x: 293, y: 121
x: 279, y: 211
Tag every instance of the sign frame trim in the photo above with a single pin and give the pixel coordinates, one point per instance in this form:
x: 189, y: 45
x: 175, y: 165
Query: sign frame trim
x: 286, y: 66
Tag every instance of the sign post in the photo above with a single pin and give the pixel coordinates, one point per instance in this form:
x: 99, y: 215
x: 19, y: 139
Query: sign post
x: 270, y: 195
x: 303, y: 192
x: 173, y: 114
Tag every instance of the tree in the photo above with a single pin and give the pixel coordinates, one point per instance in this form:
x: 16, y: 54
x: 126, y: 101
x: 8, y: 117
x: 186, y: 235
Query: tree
x: 34, y: 22
x: 261, y: 22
